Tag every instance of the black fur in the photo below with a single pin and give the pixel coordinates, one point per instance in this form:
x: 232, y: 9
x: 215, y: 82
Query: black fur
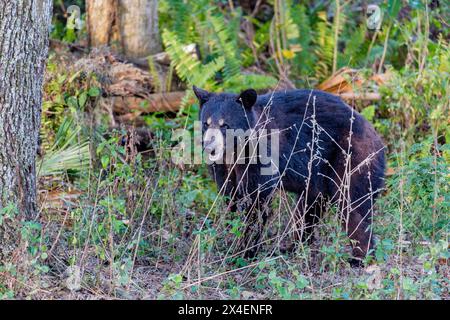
x: 296, y: 113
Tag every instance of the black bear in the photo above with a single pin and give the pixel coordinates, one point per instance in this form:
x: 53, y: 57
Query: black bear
x: 325, y: 152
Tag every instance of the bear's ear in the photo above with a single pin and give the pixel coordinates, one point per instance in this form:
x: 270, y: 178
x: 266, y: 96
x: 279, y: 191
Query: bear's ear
x: 248, y: 98
x: 202, y: 95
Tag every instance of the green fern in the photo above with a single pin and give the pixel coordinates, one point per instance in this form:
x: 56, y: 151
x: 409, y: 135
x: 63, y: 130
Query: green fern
x: 224, y: 46
x: 355, y: 49
x: 324, y: 47
x: 220, y: 48
x: 188, y: 67
x: 304, y: 61
x: 175, y: 15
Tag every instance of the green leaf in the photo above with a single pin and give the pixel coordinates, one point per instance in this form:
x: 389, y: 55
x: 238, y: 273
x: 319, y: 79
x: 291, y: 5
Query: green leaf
x: 105, y: 161
x: 94, y: 92
x: 394, y: 7
x: 302, y: 282
x: 72, y: 102
x: 82, y: 99
x: 368, y: 112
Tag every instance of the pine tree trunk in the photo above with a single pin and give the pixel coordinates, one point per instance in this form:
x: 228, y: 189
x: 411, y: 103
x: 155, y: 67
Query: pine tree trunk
x: 24, y: 29
x: 129, y: 26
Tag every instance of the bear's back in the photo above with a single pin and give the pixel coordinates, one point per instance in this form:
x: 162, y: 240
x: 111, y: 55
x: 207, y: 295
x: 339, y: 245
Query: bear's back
x: 295, y: 106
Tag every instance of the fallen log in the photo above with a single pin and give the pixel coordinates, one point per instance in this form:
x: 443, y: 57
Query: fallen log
x: 131, y: 107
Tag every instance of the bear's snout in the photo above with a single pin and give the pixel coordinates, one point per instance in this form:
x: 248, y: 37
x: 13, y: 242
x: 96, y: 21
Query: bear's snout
x: 214, y: 145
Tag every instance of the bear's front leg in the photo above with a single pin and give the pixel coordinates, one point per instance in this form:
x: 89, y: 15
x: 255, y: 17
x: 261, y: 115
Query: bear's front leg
x: 307, y: 218
x: 359, y: 230
x: 254, y: 228
x: 226, y: 183
x: 255, y: 200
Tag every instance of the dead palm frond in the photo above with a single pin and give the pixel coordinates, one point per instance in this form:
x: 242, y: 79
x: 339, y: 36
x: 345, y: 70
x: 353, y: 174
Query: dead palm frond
x: 67, y: 152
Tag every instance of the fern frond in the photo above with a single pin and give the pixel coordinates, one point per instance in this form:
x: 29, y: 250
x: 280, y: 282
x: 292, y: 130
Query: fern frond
x: 185, y: 63
x: 354, y: 52
x: 175, y: 13
x: 224, y: 49
x: 188, y: 67
x: 224, y: 46
x: 304, y: 61
x: 324, y: 47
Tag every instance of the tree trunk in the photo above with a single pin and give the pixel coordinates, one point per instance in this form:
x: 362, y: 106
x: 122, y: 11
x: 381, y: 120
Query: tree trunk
x: 24, y: 29
x: 129, y: 26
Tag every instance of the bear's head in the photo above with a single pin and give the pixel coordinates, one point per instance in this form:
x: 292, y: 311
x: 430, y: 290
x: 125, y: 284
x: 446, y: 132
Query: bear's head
x: 224, y: 115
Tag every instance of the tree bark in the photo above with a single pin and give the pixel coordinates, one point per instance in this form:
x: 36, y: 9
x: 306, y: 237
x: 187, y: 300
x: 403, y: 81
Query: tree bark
x: 101, y: 22
x: 129, y: 26
x: 24, y: 29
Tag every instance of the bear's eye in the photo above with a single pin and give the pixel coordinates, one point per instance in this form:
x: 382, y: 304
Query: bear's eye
x: 222, y: 124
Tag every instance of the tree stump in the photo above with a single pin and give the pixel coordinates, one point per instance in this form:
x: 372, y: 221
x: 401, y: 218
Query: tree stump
x: 129, y: 26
